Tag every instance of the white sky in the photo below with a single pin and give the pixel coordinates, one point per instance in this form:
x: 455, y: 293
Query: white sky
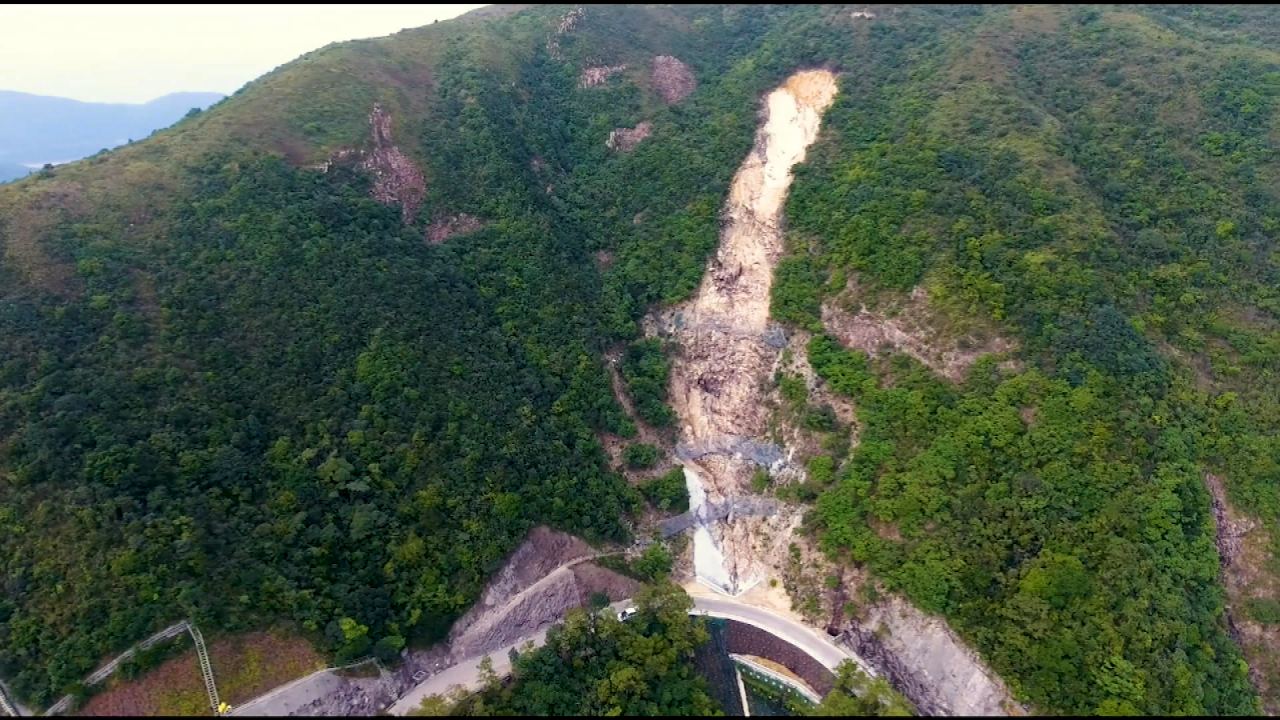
x: 135, y: 53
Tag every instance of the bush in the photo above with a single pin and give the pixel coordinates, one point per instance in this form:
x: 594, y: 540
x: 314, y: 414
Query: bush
x: 388, y: 649
x: 821, y: 418
x: 1264, y: 610
x: 653, y: 563
x: 645, y: 368
x: 668, y: 492
x: 640, y: 456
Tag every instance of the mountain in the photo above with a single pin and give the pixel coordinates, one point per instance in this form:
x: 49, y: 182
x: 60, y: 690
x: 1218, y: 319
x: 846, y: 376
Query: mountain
x: 323, y: 354
x: 36, y: 129
x: 13, y: 171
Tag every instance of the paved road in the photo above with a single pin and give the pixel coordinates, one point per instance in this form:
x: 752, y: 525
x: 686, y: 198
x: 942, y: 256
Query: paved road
x: 467, y: 672
x: 807, y: 639
x: 295, y: 697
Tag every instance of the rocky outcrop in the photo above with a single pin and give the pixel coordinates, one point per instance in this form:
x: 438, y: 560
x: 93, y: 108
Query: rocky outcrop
x: 397, y: 180
x: 545, y: 577
x: 926, y: 662
x: 672, y: 79
x: 912, y: 328
x: 566, y: 25
x: 597, y: 75
x: 538, y: 606
x: 1244, y: 552
x: 446, y: 227
x: 626, y: 139
x: 1232, y: 529
x: 543, y: 551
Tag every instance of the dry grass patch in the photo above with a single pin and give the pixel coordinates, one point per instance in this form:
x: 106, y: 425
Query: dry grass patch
x: 245, y: 666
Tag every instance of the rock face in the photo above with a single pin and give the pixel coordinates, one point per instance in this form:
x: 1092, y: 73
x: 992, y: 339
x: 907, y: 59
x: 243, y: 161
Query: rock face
x: 543, y: 551
x: 1231, y: 528
x: 909, y: 332
x: 545, y: 577
x: 444, y: 228
x: 1244, y: 553
x: 726, y: 354
x: 594, y: 76
x: 672, y: 79
x: 626, y: 139
x: 397, y: 180
x: 926, y: 662
x: 565, y: 26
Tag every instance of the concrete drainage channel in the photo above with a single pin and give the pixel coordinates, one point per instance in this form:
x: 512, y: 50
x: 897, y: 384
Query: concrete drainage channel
x: 775, y: 680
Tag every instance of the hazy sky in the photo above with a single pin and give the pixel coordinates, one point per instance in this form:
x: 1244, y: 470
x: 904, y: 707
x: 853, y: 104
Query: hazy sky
x: 134, y: 53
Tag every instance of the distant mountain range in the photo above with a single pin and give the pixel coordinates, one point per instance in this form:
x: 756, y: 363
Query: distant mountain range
x: 38, y: 129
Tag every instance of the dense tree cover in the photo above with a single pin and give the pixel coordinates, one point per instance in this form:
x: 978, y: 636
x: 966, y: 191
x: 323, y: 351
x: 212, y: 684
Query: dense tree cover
x: 652, y: 564
x: 257, y: 395
x: 1032, y: 173
x: 646, y: 369
x: 595, y: 664
x: 668, y: 492
x: 301, y: 433
x: 1049, y: 531
x: 290, y: 406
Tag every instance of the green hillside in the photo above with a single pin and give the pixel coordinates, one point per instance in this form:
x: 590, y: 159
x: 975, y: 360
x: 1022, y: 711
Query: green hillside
x: 236, y: 386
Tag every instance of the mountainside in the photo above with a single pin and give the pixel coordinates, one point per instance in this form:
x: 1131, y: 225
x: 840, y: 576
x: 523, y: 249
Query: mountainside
x: 325, y: 352
x: 36, y: 129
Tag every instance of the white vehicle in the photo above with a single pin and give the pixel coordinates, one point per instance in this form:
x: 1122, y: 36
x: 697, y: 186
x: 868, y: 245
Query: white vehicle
x: 627, y: 614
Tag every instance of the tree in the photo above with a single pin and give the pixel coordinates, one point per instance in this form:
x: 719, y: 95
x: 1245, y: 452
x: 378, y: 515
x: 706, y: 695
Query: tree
x: 856, y: 695
x: 594, y: 664
x: 488, y: 677
x: 640, y: 456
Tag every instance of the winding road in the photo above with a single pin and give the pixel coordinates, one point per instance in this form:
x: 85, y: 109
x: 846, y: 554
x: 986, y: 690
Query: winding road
x: 467, y: 672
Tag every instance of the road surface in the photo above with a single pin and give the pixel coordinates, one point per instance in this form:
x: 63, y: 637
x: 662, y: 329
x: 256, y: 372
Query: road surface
x: 467, y: 672
x: 807, y: 639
